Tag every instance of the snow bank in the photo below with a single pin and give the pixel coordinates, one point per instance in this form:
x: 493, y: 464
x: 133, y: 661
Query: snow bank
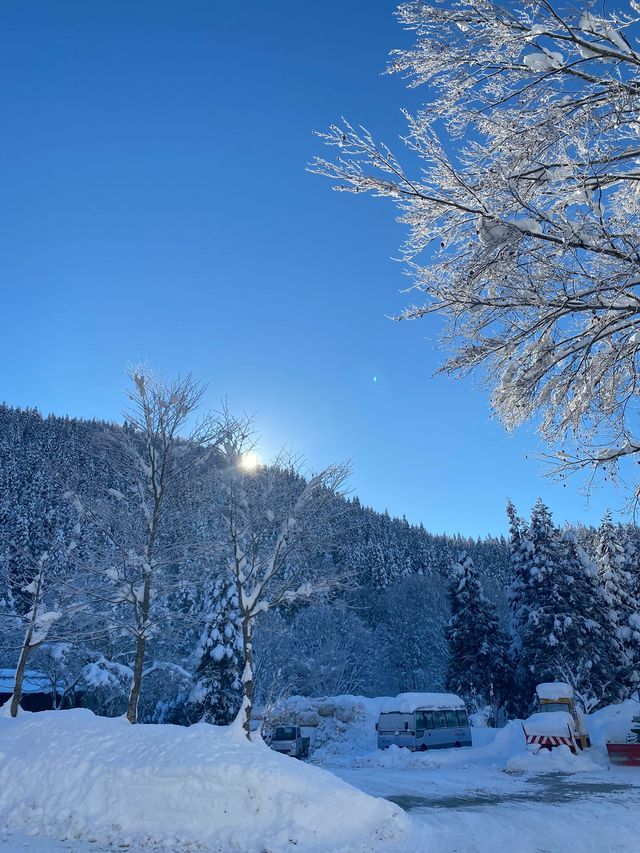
x: 337, y: 725
x: 550, y: 723
x: 558, y: 760
x: 491, y: 747
x: 72, y: 774
x: 612, y: 723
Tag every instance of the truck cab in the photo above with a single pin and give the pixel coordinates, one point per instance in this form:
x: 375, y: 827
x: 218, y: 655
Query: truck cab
x: 289, y: 740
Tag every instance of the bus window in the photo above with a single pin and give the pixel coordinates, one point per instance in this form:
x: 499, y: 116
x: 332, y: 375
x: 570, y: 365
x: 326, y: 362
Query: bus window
x: 424, y: 720
x: 462, y: 718
x: 452, y: 719
x: 440, y: 721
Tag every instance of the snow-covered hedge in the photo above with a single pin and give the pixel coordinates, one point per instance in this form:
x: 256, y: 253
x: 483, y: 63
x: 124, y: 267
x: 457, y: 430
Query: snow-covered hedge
x: 73, y: 774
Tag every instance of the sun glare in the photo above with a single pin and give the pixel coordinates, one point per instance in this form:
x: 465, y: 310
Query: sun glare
x: 249, y: 461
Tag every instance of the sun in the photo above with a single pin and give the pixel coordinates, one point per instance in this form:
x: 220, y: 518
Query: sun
x: 249, y: 461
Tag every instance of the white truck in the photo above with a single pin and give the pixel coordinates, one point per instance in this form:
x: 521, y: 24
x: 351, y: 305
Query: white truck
x: 290, y: 741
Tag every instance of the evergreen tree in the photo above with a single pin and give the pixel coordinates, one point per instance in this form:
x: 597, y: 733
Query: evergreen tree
x: 478, y: 663
x: 519, y: 559
x: 588, y: 650
x: 538, y: 640
x: 216, y: 693
x: 617, y: 585
x: 563, y: 626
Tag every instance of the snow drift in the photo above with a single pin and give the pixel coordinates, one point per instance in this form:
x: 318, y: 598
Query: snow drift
x: 73, y: 774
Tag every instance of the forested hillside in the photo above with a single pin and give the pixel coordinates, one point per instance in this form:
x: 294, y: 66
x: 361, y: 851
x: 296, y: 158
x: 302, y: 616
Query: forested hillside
x: 383, y: 632
x: 404, y: 610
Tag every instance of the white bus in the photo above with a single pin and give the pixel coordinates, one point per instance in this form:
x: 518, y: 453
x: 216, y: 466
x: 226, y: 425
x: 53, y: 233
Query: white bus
x: 421, y: 721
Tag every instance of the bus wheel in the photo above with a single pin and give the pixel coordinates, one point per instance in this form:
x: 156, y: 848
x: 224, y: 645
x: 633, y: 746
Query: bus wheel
x: 457, y: 744
x: 423, y: 747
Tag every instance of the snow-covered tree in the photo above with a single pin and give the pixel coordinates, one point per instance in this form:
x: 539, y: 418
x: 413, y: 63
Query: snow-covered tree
x: 520, y: 195
x: 618, y: 588
x: 48, y: 608
x: 534, y: 601
x: 216, y: 692
x: 326, y: 650
x: 563, y: 629
x: 276, y: 523
x: 478, y: 649
x: 520, y: 600
x: 412, y: 614
x: 587, y: 652
x: 141, y: 517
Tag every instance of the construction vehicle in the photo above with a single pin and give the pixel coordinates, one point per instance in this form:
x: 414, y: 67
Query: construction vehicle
x: 557, y: 721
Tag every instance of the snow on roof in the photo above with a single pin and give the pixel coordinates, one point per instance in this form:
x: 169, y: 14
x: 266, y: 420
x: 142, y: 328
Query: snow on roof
x: 549, y: 723
x: 407, y: 703
x: 34, y: 682
x: 554, y: 690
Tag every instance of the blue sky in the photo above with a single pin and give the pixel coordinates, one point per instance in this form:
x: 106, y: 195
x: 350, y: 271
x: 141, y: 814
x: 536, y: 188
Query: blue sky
x: 155, y: 205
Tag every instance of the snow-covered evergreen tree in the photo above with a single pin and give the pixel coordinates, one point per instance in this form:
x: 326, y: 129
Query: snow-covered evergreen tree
x: 537, y: 556
x: 618, y: 588
x: 519, y: 559
x: 563, y: 627
x: 478, y: 662
x: 587, y: 652
x: 216, y: 693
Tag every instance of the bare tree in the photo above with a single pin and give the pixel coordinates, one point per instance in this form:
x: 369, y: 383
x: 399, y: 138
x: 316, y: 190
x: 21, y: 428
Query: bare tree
x: 521, y: 200
x: 152, y: 459
x: 277, y: 523
x: 45, y: 608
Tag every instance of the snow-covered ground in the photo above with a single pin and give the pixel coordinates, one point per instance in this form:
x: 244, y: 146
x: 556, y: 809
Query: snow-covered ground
x: 496, y: 795
x: 72, y: 775
x: 102, y: 784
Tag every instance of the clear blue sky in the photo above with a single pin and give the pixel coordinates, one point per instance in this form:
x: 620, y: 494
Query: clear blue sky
x: 155, y: 205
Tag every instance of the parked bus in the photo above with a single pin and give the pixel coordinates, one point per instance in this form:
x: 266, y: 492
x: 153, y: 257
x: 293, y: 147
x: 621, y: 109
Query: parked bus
x: 424, y: 721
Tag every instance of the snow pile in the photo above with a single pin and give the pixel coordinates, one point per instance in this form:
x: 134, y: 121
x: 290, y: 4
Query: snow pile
x: 558, y: 760
x: 559, y: 723
x: 73, y: 774
x: 612, y: 723
x: 491, y: 747
x: 337, y: 725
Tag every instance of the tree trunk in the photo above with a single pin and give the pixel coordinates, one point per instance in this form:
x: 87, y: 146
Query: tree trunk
x: 141, y: 643
x: 22, y: 665
x: 247, y: 675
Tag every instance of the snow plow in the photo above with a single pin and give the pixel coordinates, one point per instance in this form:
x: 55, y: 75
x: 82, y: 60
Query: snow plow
x: 557, y: 722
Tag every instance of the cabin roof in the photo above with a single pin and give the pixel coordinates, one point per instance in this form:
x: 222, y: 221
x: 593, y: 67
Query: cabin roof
x: 34, y: 681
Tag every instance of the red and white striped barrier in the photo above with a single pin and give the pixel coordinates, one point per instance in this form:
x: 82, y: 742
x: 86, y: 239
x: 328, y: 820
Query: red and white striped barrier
x: 549, y: 741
